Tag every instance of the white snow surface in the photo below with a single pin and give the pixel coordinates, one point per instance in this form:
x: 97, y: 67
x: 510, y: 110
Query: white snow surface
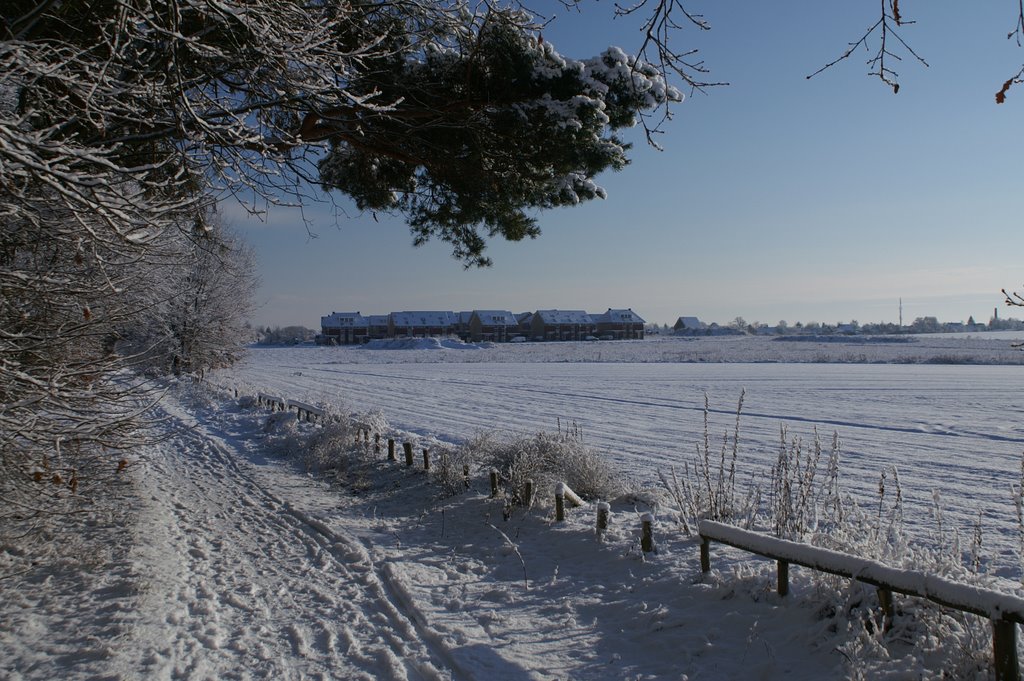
x: 949, y: 428
x: 221, y: 561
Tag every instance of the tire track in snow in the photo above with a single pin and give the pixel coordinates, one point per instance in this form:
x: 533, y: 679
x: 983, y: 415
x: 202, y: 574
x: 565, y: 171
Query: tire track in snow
x: 483, y: 387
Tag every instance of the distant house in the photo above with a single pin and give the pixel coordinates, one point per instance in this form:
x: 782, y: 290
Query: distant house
x: 377, y: 326
x: 422, y: 323
x: 347, y: 328
x: 562, y: 325
x: 619, y: 324
x: 525, y: 320
x: 344, y: 328
x: 688, y: 325
x: 462, y: 326
x: 492, y: 325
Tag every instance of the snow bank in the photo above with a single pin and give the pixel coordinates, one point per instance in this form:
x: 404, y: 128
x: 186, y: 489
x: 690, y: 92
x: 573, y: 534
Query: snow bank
x: 422, y: 344
x: 965, y: 349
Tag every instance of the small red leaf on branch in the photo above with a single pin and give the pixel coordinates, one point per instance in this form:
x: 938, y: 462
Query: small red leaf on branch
x: 1001, y: 95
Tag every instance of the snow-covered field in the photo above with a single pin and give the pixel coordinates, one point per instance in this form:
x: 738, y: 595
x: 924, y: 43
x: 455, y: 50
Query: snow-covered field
x: 951, y: 429
x: 224, y: 561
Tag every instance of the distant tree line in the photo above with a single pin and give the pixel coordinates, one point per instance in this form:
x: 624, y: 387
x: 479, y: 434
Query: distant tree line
x: 740, y: 326
x: 285, y: 335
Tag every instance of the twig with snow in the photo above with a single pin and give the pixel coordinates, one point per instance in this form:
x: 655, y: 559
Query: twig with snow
x: 515, y: 548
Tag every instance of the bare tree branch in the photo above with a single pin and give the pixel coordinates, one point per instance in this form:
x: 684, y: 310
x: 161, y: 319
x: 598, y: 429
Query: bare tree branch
x: 878, y: 66
x: 1016, y: 34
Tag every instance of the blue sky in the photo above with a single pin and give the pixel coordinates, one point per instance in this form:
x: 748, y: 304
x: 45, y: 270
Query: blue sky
x: 775, y: 198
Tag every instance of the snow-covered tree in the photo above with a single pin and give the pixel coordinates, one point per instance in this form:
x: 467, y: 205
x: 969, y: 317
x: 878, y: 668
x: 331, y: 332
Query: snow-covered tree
x: 288, y: 335
x: 483, y: 129
x: 461, y: 120
x: 200, y: 299
x: 122, y: 122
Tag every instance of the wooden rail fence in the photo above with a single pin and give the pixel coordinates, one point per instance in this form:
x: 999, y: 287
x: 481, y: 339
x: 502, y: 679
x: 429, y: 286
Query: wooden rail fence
x: 1005, y: 611
x: 304, y: 411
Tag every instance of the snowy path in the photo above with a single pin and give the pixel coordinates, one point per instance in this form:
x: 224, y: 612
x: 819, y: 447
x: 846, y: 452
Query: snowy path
x: 241, y: 585
x: 257, y: 572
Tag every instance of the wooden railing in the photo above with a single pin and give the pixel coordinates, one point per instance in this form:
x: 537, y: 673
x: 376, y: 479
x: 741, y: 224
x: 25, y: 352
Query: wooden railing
x: 1005, y: 611
x: 304, y: 411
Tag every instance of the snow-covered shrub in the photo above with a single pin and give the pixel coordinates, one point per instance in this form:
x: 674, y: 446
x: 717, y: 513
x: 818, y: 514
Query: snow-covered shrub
x: 448, y: 469
x: 331, y: 448
x: 194, y: 393
x: 338, y: 447
x: 707, y: 485
x: 281, y: 424
x: 547, y: 459
x: 940, y: 638
x: 804, y: 502
x: 371, y: 422
x: 796, y: 494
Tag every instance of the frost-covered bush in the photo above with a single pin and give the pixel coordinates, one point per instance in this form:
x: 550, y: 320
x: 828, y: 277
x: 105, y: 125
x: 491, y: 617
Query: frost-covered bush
x: 547, y: 459
x: 921, y: 634
x: 449, y: 467
x: 796, y: 493
x: 804, y: 501
x: 338, y: 447
x: 370, y: 422
x: 281, y: 424
x: 194, y: 393
x: 706, y: 487
x: 247, y: 401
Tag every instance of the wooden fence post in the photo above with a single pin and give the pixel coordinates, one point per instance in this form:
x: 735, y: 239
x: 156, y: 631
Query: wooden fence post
x: 528, y: 494
x: 705, y: 555
x: 647, y: 532
x: 885, y: 601
x: 465, y: 474
x: 559, y: 502
x: 391, y: 450
x: 376, y: 443
x: 408, y: 453
x: 426, y: 459
x: 604, y: 510
x: 783, y: 587
x: 1004, y: 650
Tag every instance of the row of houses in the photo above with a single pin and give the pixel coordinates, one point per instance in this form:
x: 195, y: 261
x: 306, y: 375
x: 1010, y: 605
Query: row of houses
x: 347, y: 328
